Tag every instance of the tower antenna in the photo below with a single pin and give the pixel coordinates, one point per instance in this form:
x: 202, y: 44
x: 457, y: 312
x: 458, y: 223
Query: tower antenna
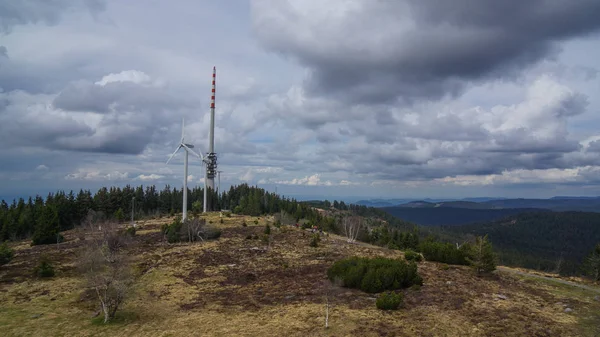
x: 211, y: 165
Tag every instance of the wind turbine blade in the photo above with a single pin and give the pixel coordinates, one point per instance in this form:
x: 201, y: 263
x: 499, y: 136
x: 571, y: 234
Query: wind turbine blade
x: 193, y: 152
x: 182, y: 129
x: 171, y: 157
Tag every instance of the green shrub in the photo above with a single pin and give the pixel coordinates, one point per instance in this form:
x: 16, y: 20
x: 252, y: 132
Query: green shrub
x: 211, y: 233
x: 46, y: 238
x: 268, y: 229
x: 6, y: 254
x: 222, y: 221
x: 374, y: 275
x: 265, y: 238
x: 314, y: 242
x: 277, y: 223
x: 228, y: 214
x: 244, y: 224
x: 389, y: 301
x: 411, y: 255
x: 256, y: 222
x: 130, y: 231
x: 44, y: 268
x: 190, y: 230
x: 445, y: 252
x: 173, y: 231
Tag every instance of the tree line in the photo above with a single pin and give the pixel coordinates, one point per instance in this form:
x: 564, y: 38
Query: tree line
x: 42, y: 219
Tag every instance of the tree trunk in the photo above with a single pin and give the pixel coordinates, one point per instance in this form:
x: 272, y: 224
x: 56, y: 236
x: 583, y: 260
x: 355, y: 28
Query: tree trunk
x: 104, y: 308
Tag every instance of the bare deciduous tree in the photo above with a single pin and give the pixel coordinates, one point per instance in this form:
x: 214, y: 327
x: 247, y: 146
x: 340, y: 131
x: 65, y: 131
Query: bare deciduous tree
x: 351, y: 225
x: 106, y: 269
x: 195, y: 228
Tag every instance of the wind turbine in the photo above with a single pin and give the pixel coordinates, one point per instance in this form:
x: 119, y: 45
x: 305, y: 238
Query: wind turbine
x: 188, y: 150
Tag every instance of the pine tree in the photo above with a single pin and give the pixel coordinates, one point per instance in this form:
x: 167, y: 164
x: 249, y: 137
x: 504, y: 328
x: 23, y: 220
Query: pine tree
x: 119, y: 215
x: 47, y: 227
x: 481, y: 256
x: 591, y: 264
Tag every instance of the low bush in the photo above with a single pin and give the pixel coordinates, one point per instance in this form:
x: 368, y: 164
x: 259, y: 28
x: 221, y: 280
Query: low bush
x: 445, y: 252
x: 267, y: 229
x: 130, y: 231
x: 191, y: 230
x: 244, y: 224
x: 389, y: 301
x: 265, y: 239
x: 374, y: 275
x: 46, y: 239
x: 256, y: 222
x: 277, y: 223
x: 211, y: 233
x: 314, y: 242
x: 44, y: 268
x: 6, y: 254
x: 411, y: 255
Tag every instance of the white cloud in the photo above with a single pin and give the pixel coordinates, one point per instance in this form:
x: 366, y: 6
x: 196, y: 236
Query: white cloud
x: 42, y: 167
x: 91, y: 175
x: 149, y: 177
x: 133, y: 76
x: 313, y: 180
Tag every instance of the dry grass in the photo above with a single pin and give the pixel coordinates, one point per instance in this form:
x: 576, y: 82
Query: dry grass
x: 240, y: 287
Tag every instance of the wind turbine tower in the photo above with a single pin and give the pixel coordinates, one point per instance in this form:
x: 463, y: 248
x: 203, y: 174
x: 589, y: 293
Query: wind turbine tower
x: 188, y: 149
x: 211, y: 165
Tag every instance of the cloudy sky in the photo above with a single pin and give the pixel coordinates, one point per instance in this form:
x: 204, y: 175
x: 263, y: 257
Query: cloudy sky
x: 374, y: 98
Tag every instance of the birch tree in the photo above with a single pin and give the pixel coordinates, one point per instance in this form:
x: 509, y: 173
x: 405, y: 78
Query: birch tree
x: 107, y: 270
x: 351, y: 225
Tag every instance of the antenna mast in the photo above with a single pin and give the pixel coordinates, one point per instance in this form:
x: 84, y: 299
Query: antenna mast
x: 211, y: 165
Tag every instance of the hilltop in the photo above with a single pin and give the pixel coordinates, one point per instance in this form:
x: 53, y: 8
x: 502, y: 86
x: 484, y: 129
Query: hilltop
x: 241, y: 286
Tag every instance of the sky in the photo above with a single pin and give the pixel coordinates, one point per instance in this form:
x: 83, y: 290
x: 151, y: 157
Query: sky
x: 368, y: 98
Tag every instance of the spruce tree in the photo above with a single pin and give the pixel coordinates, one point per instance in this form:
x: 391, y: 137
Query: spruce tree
x: 481, y: 256
x: 591, y: 264
x: 47, y: 227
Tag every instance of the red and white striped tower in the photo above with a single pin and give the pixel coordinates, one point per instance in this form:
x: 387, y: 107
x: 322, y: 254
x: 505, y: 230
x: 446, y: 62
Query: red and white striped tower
x: 211, y: 147
x: 212, y: 156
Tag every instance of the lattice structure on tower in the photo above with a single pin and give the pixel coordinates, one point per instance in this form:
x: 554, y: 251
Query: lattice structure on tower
x: 211, y: 166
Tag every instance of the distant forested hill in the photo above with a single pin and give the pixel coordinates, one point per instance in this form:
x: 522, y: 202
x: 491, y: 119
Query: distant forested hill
x: 538, y: 240
x: 555, y: 204
x: 436, y: 216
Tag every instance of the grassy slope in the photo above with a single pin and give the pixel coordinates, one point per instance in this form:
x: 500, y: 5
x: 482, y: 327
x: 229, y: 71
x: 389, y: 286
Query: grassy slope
x: 240, y: 287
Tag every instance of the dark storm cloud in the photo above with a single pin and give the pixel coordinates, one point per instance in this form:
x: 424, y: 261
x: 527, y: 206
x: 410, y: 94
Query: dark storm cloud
x: 381, y: 51
x: 594, y: 146
x: 21, y: 12
x: 117, y: 117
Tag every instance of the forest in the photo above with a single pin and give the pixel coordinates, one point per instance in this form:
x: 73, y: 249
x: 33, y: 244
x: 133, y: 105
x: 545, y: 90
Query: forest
x: 549, y: 241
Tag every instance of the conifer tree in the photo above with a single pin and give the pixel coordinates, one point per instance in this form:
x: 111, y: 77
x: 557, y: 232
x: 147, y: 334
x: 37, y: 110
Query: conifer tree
x: 481, y: 255
x: 591, y: 264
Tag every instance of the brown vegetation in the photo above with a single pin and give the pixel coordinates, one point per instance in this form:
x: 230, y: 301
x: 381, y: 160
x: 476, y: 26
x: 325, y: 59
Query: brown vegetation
x: 246, y: 287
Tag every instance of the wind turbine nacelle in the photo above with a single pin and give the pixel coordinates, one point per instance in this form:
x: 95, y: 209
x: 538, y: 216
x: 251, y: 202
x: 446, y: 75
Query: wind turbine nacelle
x: 190, y: 146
